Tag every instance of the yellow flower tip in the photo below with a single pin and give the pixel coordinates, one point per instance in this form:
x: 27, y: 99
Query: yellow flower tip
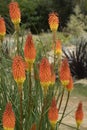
x: 65, y: 82
x: 45, y: 84
x: 8, y: 128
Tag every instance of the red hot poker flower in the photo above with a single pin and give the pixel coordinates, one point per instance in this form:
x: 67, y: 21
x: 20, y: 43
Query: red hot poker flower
x: 18, y: 69
x: 64, y: 72
x: 53, y: 21
x: 15, y: 13
x: 45, y: 73
x: 79, y: 114
x: 8, y: 119
x: 29, y: 51
x: 58, y: 49
x: 53, y: 113
x: 70, y: 85
x: 2, y: 28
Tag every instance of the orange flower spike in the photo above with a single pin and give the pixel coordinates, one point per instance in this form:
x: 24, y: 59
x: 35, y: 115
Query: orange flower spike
x: 14, y: 12
x: 45, y: 73
x: 79, y: 114
x: 58, y: 48
x: 53, y: 21
x: 18, y: 69
x: 53, y: 113
x: 8, y: 119
x: 64, y: 72
x: 2, y: 28
x: 29, y: 51
x: 70, y: 85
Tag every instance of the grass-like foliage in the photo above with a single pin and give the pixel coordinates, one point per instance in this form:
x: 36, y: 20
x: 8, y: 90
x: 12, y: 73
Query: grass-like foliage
x: 30, y: 96
x: 78, y: 60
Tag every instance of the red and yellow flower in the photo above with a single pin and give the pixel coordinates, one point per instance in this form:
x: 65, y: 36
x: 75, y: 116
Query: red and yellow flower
x: 79, y: 114
x: 53, y: 113
x: 58, y: 48
x: 70, y: 85
x: 29, y: 51
x: 2, y: 28
x: 15, y: 14
x: 18, y: 69
x: 8, y: 119
x: 45, y: 73
x: 53, y: 21
x: 64, y: 72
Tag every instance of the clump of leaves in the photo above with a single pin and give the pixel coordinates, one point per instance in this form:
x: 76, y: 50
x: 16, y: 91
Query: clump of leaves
x: 78, y: 60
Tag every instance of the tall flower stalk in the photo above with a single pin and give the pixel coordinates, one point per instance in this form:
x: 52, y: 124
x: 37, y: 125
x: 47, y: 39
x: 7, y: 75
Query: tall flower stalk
x: 18, y: 69
x: 30, y: 55
x: 15, y: 16
x: 53, y: 23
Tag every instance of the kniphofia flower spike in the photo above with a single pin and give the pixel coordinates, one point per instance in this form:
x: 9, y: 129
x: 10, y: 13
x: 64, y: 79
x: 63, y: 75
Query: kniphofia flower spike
x: 53, y: 21
x: 58, y: 48
x: 2, y: 28
x: 45, y: 73
x: 79, y: 114
x: 8, y: 119
x: 64, y: 72
x: 70, y: 85
x: 18, y: 69
x: 29, y: 51
x: 53, y: 113
x: 15, y: 12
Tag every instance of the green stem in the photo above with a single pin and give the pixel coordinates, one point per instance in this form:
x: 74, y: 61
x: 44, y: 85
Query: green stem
x: 17, y: 39
x: 54, y: 43
x: 30, y: 92
x: 64, y: 108
x: 43, y: 107
x: 21, y: 112
x: 61, y: 99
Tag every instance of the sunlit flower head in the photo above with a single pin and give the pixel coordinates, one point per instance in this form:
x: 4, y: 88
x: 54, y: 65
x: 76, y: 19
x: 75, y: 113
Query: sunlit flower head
x: 15, y: 13
x: 29, y: 51
x: 53, y: 21
x: 79, y: 114
x: 70, y: 85
x: 53, y: 113
x: 64, y: 72
x: 8, y: 119
x: 2, y: 28
x: 18, y: 69
x: 45, y: 73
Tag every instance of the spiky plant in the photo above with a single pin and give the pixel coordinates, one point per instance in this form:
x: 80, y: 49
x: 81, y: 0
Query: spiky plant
x: 78, y: 60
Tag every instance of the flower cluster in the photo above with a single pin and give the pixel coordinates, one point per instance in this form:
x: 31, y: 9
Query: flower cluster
x: 43, y: 85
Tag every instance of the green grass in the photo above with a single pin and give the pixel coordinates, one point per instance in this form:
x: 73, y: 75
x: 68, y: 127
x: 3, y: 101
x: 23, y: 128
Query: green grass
x: 80, y: 90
